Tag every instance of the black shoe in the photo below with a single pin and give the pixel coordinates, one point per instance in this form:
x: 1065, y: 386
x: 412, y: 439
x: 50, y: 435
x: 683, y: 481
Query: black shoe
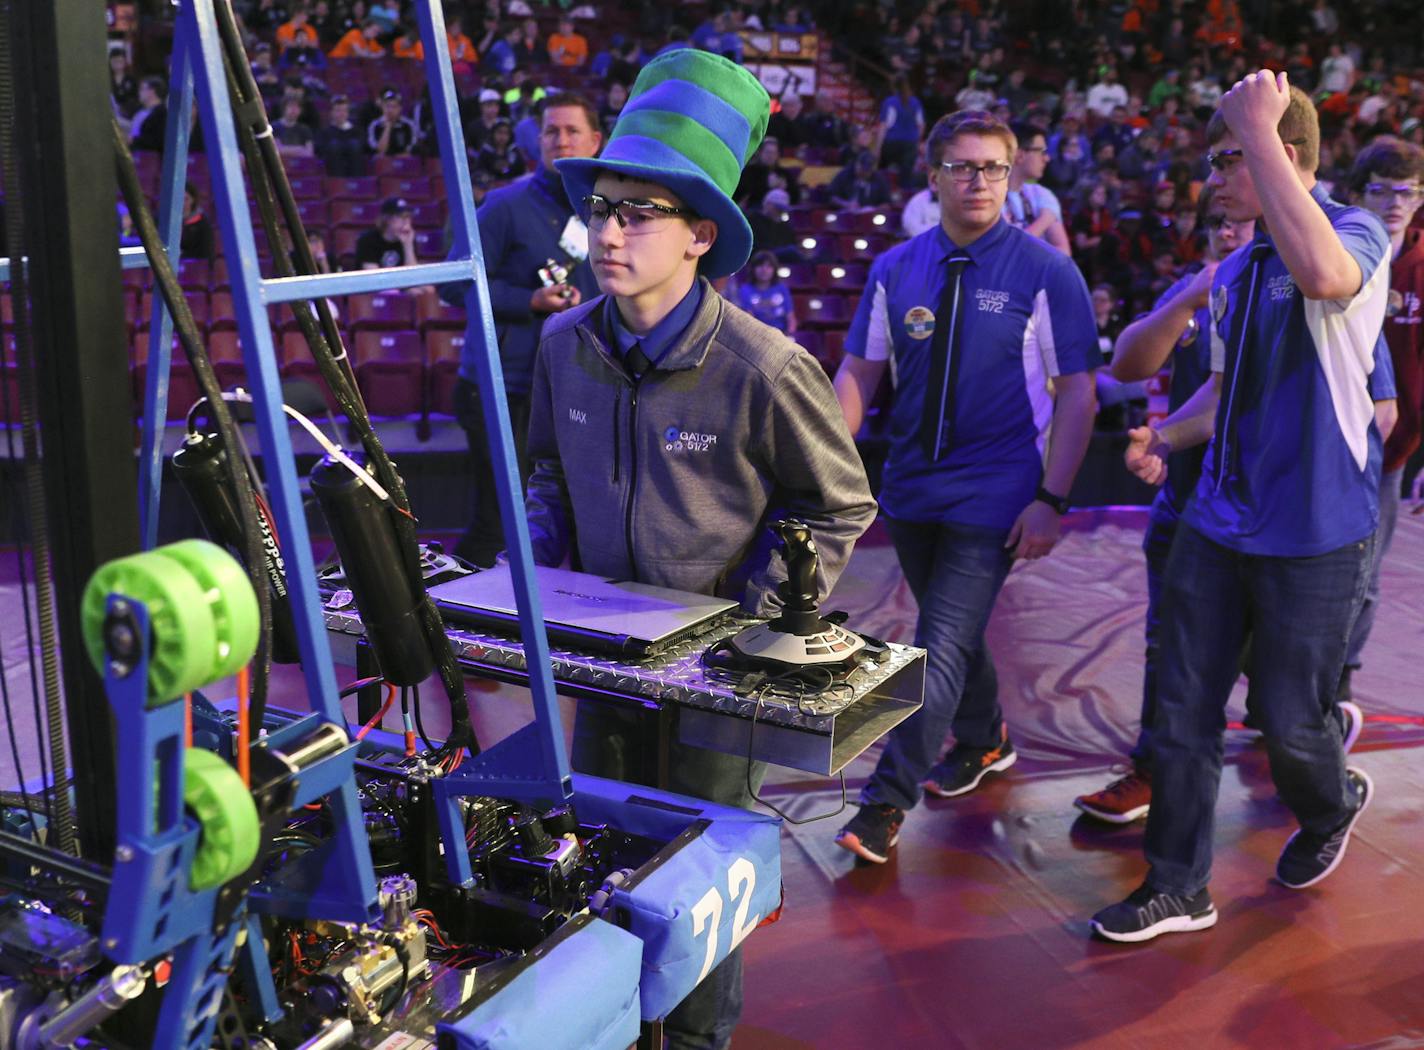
x: 1147, y: 913
x: 872, y: 832
x: 1309, y: 858
x: 960, y: 771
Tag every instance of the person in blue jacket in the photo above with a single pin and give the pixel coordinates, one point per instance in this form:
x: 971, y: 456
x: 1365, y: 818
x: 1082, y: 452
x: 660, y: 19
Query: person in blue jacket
x: 530, y: 234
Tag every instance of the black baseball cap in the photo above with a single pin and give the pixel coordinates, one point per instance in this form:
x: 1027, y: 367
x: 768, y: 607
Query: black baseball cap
x: 395, y: 206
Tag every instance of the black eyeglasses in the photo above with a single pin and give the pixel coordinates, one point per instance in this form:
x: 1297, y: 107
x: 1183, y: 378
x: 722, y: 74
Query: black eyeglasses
x: 1402, y: 190
x: 634, y: 216
x: 1224, y: 160
x: 963, y: 171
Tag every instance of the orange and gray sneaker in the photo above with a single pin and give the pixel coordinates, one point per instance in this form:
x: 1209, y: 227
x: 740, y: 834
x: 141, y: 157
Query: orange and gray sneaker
x: 1126, y: 799
x: 962, y: 768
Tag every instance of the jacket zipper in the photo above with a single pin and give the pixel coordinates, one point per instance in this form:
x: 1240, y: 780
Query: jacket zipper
x: 632, y: 477
x: 617, y: 433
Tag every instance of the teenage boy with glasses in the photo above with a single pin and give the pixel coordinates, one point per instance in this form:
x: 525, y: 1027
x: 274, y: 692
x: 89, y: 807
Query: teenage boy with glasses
x: 668, y: 428
x: 1386, y: 180
x: 1278, y: 536
x: 993, y: 343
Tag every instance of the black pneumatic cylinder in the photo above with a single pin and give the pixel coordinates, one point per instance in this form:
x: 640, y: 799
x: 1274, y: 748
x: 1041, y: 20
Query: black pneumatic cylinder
x: 366, y: 542
x: 200, y: 466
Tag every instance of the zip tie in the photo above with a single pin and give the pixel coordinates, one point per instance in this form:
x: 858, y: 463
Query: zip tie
x: 362, y: 475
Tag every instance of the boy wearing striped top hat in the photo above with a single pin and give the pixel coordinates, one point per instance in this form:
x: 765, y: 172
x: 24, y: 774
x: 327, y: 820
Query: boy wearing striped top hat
x: 668, y: 428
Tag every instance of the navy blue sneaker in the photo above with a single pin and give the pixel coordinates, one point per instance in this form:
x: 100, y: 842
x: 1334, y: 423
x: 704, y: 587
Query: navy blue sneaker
x: 961, y: 771
x: 1309, y: 858
x: 1148, y: 913
x: 872, y: 832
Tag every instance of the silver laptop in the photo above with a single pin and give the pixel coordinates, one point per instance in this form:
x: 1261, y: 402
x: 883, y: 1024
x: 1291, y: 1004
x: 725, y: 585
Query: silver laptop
x: 583, y: 611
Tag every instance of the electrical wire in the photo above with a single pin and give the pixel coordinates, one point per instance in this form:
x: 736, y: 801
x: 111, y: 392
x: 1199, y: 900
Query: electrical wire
x: 376, y: 718
x: 244, y: 729
x: 186, y: 329
x: 34, y: 508
x: 757, y: 694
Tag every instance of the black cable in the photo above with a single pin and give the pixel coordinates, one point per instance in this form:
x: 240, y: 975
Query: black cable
x: 220, y: 415
x: 358, y: 685
x: 268, y: 178
x: 419, y: 723
x: 751, y: 740
x: 35, y: 507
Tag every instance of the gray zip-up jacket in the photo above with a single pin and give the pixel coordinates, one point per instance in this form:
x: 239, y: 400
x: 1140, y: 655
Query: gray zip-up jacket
x: 671, y: 479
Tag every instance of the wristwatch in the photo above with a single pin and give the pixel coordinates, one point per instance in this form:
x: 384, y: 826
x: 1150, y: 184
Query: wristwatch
x: 1058, y: 503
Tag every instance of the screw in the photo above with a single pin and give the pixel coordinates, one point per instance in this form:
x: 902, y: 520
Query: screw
x: 110, y: 943
x: 120, y: 607
x: 123, y: 854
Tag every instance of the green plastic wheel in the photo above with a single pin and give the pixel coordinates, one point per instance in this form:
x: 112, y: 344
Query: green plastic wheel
x: 184, y: 636
x: 231, y: 832
x: 230, y: 597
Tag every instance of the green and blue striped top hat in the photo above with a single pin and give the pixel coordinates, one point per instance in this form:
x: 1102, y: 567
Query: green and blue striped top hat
x: 691, y: 123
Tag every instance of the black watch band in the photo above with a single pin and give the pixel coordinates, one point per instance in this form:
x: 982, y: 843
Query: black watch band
x: 1058, y: 503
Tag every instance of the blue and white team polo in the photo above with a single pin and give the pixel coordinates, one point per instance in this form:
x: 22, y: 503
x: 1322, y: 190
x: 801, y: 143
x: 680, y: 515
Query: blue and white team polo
x: 1301, y: 476
x: 1028, y: 318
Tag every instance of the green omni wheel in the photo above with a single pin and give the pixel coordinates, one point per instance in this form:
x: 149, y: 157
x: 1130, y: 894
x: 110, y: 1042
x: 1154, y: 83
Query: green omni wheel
x: 230, y: 597
x: 202, y: 614
x: 231, y: 832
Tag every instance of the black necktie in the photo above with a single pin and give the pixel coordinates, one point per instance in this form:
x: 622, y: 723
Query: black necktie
x: 636, y: 360
x: 1226, y: 416
x: 937, y: 421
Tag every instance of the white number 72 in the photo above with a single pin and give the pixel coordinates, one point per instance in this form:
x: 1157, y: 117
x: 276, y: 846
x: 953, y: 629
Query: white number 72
x: 707, y: 913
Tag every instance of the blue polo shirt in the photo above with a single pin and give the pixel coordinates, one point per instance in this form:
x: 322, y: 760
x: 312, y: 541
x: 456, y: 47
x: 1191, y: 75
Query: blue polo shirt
x: 1304, y: 478
x: 1028, y: 318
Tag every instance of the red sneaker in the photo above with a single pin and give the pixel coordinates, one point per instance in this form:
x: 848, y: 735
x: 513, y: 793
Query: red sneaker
x: 1121, y: 802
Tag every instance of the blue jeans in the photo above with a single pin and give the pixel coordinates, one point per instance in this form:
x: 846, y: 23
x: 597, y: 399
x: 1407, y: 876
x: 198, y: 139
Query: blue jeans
x: 1156, y: 545
x: 1299, y: 612
x: 1390, y: 485
x: 955, y: 573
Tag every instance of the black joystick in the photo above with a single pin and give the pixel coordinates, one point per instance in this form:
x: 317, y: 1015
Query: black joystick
x: 799, y: 612
x: 798, y: 637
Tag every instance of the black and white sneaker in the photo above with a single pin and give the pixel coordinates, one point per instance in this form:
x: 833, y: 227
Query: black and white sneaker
x: 962, y: 769
x: 1148, y: 913
x: 872, y: 832
x: 1309, y: 858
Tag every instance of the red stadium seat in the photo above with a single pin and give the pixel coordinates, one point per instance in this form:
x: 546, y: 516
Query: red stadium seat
x: 390, y: 369
x: 862, y: 247
x: 820, y: 310
x: 225, y: 349
x: 314, y: 213
x: 384, y: 311
x: 343, y: 241
x: 842, y: 277
x: 355, y: 212
x: 309, y: 187
x: 442, y: 351
x: 353, y: 187
x: 413, y: 187
x: 432, y: 314
x: 182, y: 384
x: 799, y: 277
x: 430, y: 244
x: 400, y: 165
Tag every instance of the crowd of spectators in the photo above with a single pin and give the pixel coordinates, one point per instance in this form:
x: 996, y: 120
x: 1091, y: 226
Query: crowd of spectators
x: 1109, y: 99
